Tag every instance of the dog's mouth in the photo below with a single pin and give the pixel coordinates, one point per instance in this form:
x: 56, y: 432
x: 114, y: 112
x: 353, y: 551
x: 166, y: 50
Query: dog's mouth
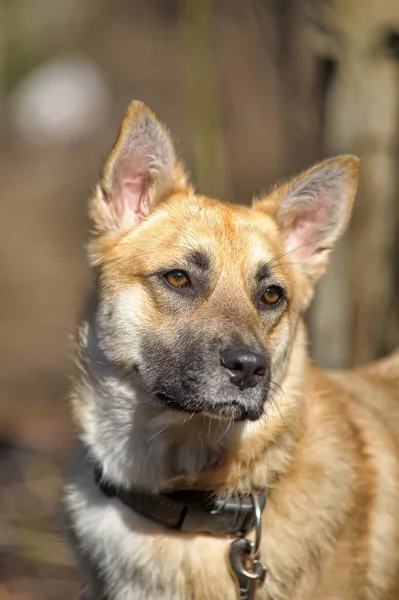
x: 171, y: 403
x: 227, y: 410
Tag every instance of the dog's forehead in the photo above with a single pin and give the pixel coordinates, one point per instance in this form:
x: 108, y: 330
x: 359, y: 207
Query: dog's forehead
x: 209, y: 234
x: 216, y: 229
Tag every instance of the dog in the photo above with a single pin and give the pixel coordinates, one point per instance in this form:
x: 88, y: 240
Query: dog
x: 193, y: 381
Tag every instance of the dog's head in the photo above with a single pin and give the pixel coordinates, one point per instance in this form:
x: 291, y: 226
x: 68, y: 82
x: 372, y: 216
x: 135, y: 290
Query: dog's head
x: 200, y: 299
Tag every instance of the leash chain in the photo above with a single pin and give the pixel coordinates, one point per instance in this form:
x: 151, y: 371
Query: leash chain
x: 245, y: 559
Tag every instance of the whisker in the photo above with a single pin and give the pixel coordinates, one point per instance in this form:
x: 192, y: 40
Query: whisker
x: 187, y: 240
x: 281, y: 391
x: 226, y: 430
x: 113, y: 392
x: 275, y: 402
x: 273, y: 260
x: 157, y: 433
x: 311, y: 243
x: 291, y: 262
x: 186, y: 420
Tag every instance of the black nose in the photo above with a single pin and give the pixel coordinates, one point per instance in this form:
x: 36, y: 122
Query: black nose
x: 246, y: 366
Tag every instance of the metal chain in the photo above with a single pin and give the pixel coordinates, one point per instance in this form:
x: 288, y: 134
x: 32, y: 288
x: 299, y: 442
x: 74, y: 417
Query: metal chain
x: 245, y: 558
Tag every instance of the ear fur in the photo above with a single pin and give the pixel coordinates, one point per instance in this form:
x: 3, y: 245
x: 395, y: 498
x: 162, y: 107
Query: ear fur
x: 312, y: 210
x: 141, y: 170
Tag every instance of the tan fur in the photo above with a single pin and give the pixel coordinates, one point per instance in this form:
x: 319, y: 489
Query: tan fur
x: 326, y: 450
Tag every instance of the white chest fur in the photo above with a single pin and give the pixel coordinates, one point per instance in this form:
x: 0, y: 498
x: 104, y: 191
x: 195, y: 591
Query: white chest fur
x: 139, y: 559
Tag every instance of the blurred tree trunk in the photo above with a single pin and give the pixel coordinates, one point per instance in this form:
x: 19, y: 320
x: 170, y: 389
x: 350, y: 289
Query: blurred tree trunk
x: 250, y: 96
x: 355, y: 318
x: 202, y: 96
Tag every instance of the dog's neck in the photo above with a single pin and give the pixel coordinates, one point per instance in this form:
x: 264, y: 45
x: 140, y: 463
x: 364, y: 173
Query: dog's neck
x: 140, y: 443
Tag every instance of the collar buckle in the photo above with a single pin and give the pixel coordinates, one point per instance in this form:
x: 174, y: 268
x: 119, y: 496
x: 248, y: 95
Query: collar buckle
x: 232, y: 516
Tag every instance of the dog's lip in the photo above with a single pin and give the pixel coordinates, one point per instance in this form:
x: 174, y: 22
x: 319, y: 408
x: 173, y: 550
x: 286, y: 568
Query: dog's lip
x: 226, y: 411
x: 235, y: 410
x: 169, y: 402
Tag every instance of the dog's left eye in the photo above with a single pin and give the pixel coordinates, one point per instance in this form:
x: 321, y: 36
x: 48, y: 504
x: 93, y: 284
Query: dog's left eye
x: 273, y: 294
x: 177, y: 279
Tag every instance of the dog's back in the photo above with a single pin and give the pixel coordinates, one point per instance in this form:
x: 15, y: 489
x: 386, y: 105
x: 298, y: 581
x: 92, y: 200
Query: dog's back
x: 360, y: 411
x: 375, y: 385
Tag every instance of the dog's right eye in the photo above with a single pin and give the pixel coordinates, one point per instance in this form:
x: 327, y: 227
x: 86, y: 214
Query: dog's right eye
x: 178, y: 279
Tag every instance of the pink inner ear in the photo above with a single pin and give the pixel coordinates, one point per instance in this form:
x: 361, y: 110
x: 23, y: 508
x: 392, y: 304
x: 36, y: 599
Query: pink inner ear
x: 129, y: 196
x: 131, y: 186
x: 309, y: 228
x: 133, y: 190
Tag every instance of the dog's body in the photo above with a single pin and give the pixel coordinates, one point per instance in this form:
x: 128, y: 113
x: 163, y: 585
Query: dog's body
x: 183, y: 283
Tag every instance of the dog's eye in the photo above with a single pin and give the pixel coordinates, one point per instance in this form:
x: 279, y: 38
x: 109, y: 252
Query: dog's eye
x: 177, y: 279
x: 273, y: 294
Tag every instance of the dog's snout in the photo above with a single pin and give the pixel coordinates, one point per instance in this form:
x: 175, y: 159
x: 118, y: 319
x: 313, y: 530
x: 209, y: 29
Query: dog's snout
x: 246, y: 366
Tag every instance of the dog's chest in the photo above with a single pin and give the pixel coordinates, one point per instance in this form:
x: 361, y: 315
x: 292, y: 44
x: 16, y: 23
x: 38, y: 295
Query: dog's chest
x: 133, y: 559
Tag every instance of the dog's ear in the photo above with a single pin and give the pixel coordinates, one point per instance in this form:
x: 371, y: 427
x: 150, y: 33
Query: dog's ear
x: 312, y: 210
x: 141, y: 170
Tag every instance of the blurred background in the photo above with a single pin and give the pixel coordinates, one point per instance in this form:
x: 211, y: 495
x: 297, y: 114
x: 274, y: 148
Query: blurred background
x: 253, y: 92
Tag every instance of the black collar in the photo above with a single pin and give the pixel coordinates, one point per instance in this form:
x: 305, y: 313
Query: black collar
x: 189, y: 510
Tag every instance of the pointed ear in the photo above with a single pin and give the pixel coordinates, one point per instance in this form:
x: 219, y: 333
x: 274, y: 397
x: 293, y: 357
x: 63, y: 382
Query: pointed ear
x: 141, y: 170
x: 312, y: 210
